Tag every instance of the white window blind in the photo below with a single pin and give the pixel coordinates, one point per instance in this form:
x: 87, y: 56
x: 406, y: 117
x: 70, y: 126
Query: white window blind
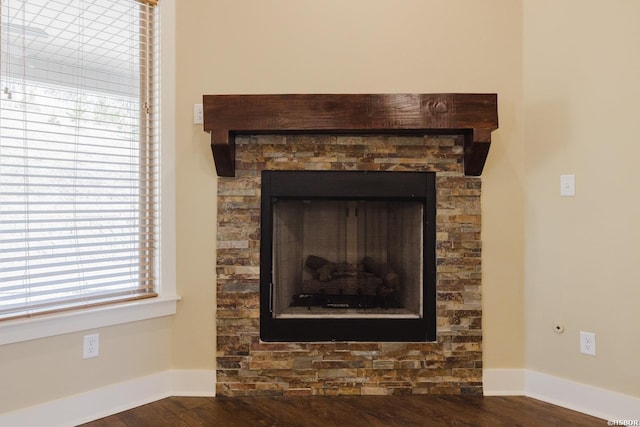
x: 78, y: 154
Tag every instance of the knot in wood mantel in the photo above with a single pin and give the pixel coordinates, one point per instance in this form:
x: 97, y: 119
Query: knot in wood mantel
x: 474, y: 116
x: 437, y: 107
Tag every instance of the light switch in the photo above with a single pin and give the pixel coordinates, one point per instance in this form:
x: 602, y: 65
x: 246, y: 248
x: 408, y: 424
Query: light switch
x: 567, y: 185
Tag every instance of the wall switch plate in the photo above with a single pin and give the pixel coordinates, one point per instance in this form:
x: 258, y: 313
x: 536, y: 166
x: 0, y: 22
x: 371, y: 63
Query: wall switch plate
x: 198, y: 114
x: 91, y: 346
x: 588, y: 343
x: 567, y: 185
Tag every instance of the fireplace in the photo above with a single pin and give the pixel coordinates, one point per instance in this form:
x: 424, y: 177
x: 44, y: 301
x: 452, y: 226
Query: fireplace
x: 442, y: 136
x: 347, y: 256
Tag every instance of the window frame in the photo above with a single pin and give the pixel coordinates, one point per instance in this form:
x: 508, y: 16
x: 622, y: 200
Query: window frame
x: 46, y: 325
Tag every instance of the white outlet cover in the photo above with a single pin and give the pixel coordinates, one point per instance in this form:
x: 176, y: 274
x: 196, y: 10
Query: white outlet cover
x: 588, y: 343
x: 198, y: 114
x: 91, y: 346
x: 567, y: 185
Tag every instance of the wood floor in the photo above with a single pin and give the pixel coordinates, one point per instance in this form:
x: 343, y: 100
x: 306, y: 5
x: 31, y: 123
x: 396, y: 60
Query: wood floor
x: 348, y: 411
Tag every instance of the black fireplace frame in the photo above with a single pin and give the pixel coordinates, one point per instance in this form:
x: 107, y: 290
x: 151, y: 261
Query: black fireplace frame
x: 363, y: 185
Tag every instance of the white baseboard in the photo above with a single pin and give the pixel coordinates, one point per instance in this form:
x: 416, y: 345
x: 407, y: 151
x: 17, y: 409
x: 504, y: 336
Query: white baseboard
x: 105, y: 401
x: 115, y: 398
x: 579, y: 397
x: 584, y: 398
x: 193, y: 383
x: 503, y: 382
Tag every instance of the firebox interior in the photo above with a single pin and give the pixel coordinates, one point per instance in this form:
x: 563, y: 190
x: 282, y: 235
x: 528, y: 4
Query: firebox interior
x: 347, y: 258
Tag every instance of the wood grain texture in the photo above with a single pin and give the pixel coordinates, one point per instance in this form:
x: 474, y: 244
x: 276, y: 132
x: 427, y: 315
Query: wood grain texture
x: 473, y: 115
x: 352, y: 411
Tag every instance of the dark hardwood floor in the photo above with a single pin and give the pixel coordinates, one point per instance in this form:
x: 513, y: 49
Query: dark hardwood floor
x: 348, y: 411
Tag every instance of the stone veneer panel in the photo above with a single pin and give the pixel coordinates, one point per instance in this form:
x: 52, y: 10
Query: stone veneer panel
x: 452, y: 364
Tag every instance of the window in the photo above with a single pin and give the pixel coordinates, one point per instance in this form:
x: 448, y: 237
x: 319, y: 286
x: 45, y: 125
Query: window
x: 79, y: 165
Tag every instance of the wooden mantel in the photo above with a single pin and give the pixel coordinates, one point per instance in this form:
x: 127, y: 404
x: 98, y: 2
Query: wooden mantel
x: 474, y: 116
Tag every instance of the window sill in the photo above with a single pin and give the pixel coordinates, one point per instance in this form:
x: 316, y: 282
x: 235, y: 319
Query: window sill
x: 14, y: 331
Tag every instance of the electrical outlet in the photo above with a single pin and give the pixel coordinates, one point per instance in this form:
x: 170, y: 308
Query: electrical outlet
x: 198, y: 114
x: 91, y: 347
x: 588, y: 343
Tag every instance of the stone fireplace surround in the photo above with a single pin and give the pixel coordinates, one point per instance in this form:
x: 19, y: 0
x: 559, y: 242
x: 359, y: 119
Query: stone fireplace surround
x: 448, y: 134
x: 452, y: 364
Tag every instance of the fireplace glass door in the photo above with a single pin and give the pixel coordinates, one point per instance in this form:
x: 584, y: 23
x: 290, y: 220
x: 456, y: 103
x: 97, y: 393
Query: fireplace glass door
x: 347, y: 258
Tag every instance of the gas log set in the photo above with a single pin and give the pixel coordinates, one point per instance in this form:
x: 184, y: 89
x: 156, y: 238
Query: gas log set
x: 368, y: 284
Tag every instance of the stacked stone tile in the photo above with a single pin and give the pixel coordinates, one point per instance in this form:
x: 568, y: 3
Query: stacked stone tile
x: 451, y: 365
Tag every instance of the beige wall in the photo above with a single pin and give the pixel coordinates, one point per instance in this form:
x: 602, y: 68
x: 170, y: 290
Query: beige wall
x: 294, y: 46
x: 357, y: 46
x: 574, y: 259
x: 581, y: 92
x: 41, y: 370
